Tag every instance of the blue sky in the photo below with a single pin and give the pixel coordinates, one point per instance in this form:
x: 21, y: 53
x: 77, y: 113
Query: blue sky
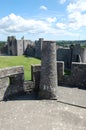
x: 48, y: 19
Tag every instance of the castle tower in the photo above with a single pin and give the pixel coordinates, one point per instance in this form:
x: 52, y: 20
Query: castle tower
x: 75, y: 53
x: 12, y: 47
x: 48, y: 81
x: 38, y: 47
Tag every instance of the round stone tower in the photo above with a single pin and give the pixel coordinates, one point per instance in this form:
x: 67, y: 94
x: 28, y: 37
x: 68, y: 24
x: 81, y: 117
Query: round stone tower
x: 48, y: 78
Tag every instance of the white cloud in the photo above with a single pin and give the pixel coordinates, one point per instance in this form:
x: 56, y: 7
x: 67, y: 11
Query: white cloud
x: 77, y: 20
x: 79, y: 5
x: 61, y: 25
x: 14, y: 24
x: 62, y: 1
x: 43, y: 7
x: 77, y: 14
x: 51, y: 20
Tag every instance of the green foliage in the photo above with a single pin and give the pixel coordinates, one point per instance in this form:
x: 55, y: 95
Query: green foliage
x: 2, y: 43
x: 9, y: 61
x: 67, y: 72
x: 83, y: 46
x: 66, y: 43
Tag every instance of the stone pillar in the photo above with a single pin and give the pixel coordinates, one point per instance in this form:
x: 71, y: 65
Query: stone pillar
x: 48, y: 79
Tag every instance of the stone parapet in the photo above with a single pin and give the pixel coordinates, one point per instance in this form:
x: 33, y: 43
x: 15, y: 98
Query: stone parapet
x: 6, y: 72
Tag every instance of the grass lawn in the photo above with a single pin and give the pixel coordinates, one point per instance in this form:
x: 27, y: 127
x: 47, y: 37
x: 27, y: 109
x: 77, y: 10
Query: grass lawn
x: 8, y: 61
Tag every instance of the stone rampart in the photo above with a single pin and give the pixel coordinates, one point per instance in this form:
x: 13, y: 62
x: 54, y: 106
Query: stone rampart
x: 35, y: 73
x: 12, y: 82
x: 64, y: 54
x: 77, y: 77
x: 12, y: 79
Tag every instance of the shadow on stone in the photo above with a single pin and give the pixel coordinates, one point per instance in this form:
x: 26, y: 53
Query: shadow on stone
x: 22, y: 96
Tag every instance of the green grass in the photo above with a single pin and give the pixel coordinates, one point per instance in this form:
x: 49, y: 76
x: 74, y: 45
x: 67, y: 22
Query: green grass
x: 9, y: 61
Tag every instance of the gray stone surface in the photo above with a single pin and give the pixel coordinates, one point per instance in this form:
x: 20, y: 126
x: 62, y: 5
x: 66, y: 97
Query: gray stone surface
x: 41, y: 115
x: 35, y: 73
x: 64, y: 54
x: 19, y: 47
x: 11, y: 81
x: 48, y: 75
x: 76, y: 78
x: 29, y: 86
x: 5, y: 72
x: 73, y: 96
x: 38, y: 47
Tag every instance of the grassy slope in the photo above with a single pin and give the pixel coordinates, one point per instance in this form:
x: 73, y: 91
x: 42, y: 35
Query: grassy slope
x: 8, y: 61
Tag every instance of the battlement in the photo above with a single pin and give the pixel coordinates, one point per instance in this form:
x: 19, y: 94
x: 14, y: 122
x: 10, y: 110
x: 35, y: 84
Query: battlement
x: 77, y: 77
x: 12, y: 82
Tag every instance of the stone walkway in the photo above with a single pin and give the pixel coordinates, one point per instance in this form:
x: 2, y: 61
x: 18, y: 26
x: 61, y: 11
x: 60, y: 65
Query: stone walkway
x: 25, y: 114
x: 72, y: 96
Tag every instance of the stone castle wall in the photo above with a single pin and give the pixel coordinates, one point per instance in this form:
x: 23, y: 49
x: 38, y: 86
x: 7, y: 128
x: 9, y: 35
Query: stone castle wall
x: 73, y: 54
x: 77, y: 77
x: 12, y: 46
x: 29, y: 48
x: 83, y: 55
x: 24, y: 47
x: 64, y: 54
x: 19, y: 47
x: 12, y: 82
x: 12, y: 79
x: 38, y: 48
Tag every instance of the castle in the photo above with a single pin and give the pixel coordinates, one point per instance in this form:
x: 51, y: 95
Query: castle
x: 14, y: 47
x: 24, y: 47
x: 45, y: 77
x: 69, y: 107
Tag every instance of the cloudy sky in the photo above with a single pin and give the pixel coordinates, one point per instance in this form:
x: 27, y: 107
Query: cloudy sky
x: 48, y: 19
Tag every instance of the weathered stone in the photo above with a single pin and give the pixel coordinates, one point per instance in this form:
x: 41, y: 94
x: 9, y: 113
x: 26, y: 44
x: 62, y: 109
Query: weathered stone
x: 76, y: 78
x: 35, y: 73
x: 29, y: 86
x: 48, y: 80
x: 38, y: 47
x: 11, y: 81
x: 11, y: 71
x: 4, y: 83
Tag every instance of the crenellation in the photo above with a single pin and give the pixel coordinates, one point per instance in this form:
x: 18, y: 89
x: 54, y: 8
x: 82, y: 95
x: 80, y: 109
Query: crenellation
x: 11, y: 81
x: 35, y: 73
